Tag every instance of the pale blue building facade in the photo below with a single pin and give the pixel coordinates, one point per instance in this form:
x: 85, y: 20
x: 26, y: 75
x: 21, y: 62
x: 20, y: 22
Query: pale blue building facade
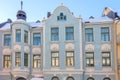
x: 61, y: 47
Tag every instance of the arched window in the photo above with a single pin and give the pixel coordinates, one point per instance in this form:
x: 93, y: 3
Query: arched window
x: 70, y: 78
x: 61, y: 17
x: 20, y: 78
x: 107, y: 78
x: 90, y: 78
x: 55, y: 78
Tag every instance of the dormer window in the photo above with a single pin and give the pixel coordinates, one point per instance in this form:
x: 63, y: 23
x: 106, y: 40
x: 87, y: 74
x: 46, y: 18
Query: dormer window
x: 61, y: 17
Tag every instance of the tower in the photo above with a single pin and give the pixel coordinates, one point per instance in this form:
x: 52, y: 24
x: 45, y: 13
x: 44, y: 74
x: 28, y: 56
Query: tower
x: 21, y: 14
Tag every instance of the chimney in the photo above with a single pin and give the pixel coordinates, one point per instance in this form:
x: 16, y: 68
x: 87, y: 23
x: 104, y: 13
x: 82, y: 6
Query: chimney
x: 48, y: 14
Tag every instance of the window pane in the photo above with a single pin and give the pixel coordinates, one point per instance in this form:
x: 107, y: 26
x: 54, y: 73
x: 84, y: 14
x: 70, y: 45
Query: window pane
x: 54, y: 59
x: 26, y: 36
x: 18, y: 59
x: 26, y: 60
x: 54, y: 34
x: 69, y: 33
x: 7, y: 40
x: 7, y: 61
x: 89, y: 34
x: 106, y: 59
x: 36, y: 61
x: 89, y: 59
x: 70, y: 58
x: 18, y: 35
x: 36, y: 39
x: 105, y: 34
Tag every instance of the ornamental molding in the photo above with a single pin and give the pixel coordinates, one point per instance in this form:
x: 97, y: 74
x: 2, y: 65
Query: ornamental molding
x: 69, y: 46
x: 89, y: 47
x: 7, y: 51
x: 54, y: 47
x: 17, y: 48
x: 36, y: 51
x: 26, y: 49
x: 106, y: 47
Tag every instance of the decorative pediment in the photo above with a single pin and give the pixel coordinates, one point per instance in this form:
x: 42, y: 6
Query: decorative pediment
x: 69, y: 46
x: 89, y: 47
x: 17, y: 48
x: 7, y: 51
x: 26, y: 49
x: 36, y: 51
x: 106, y: 47
x: 54, y: 47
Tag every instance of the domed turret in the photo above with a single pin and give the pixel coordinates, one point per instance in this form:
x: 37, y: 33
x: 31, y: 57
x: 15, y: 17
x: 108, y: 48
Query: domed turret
x: 21, y: 14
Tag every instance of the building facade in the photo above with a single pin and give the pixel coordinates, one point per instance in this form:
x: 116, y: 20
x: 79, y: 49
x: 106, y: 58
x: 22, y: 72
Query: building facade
x: 61, y: 47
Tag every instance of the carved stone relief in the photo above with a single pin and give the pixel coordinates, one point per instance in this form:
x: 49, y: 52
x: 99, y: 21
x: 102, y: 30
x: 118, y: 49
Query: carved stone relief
x: 36, y: 50
x: 26, y: 49
x: 6, y: 51
x: 106, y: 47
x: 89, y: 47
x: 69, y: 46
x: 54, y: 47
x: 17, y: 48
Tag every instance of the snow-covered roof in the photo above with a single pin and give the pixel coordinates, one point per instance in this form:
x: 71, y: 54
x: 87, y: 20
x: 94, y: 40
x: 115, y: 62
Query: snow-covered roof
x: 32, y: 24
x: 100, y: 19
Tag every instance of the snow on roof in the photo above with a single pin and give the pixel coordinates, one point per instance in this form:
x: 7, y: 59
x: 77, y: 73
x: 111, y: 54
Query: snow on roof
x: 101, y: 19
x: 32, y: 24
x: 5, y: 27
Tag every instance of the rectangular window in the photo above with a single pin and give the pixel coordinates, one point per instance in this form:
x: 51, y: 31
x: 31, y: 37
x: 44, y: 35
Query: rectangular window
x: 26, y: 59
x: 69, y: 33
x: 26, y: 36
x: 18, y: 35
x: 36, y: 39
x: 54, y: 59
x: 106, y: 59
x: 69, y: 58
x: 89, y: 59
x: 36, y: 61
x: 18, y: 59
x: 89, y: 34
x: 7, y: 61
x: 105, y: 34
x: 54, y: 34
x: 7, y: 40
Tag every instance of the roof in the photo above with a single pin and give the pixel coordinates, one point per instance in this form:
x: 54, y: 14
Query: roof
x: 100, y: 19
x: 32, y: 24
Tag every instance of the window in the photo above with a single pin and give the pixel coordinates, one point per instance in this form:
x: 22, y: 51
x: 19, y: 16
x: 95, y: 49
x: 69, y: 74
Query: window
x: 54, y: 59
x: 61, y: 17
x: 18, y: 59
x: 106, y: 59
x: 70, y: 58
x: 18, y: 35
x: 26, y: 36
x: 55, y: 78
x: 36, y: 39
x: 36, y: 61
x: 90, y: 78
x: 70, y: 78
x: 26, y: 59
x: 7, y: 40
x: 7, y: 61
x: 54, y: 34
x: 89, y: 59
x: 69, y: 33
x: 89, y: 34
x: 105, y: 34
x: 106, y: 78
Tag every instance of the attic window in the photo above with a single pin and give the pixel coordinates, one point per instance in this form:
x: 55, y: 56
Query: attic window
x: 61, y: 17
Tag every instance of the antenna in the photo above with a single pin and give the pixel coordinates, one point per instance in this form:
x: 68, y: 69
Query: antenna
x: 21, y: 5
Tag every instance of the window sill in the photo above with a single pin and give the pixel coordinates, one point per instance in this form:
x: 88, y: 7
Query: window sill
x: 54, y: 41
x: 68, y: 41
